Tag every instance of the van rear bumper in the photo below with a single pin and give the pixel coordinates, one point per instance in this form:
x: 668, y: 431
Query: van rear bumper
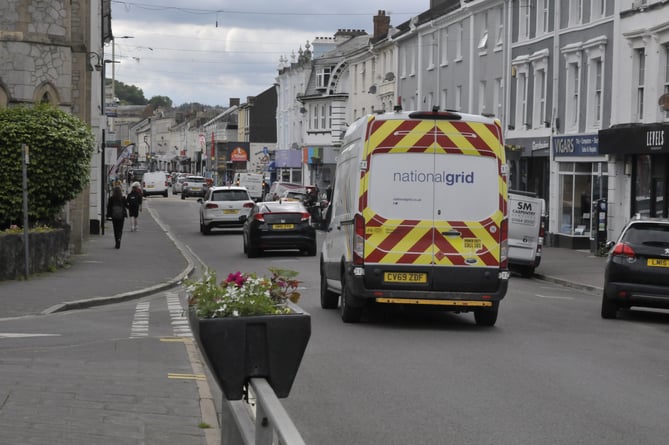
x: 459, y: 296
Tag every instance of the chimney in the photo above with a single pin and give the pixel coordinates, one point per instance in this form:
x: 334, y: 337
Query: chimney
x: 381, y: 25
x: 234, y: 101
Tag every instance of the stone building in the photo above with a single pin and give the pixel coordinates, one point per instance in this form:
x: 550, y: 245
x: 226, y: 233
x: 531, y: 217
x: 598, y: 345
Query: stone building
x: 52, y: 51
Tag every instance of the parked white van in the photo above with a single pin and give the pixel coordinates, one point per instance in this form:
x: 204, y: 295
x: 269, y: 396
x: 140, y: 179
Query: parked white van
x: 526, y: 231
x: 418, y: 216
x: 155, y: 183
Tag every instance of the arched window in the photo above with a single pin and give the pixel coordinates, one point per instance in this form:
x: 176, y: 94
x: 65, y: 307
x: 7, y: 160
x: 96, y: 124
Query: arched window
x: 46, y: 94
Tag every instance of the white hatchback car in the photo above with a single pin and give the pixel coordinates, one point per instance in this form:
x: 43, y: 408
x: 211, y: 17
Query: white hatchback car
x: 226, y: 206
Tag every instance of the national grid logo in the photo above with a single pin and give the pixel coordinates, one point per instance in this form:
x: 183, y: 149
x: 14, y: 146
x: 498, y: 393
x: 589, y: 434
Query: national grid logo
x: 446, y: 178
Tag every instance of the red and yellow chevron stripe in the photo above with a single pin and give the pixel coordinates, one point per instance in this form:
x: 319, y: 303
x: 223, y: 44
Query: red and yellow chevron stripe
x: 420, y: 242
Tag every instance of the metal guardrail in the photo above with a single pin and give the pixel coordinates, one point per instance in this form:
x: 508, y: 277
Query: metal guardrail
x: 272, y: 424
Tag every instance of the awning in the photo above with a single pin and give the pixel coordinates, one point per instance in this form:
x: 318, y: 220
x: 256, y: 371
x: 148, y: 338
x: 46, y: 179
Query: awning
x: 635, y: 138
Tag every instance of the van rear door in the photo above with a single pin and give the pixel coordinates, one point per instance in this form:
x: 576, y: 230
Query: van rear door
x: 435, y: 202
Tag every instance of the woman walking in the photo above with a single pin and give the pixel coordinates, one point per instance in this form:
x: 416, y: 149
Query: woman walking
x: 116, y: 206
x: 134, y: 199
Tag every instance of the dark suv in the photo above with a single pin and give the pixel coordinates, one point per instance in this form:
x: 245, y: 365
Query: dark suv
x: 637, y: 268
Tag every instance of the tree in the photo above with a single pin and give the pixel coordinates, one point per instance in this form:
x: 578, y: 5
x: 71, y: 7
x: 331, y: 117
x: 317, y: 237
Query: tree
x: 128, y: 94
x: 60, y: 151
x: 160, y: 102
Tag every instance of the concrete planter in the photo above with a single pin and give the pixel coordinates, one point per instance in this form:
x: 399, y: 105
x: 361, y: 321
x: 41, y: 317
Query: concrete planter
x: 240, y: 348
x: 47, y: 251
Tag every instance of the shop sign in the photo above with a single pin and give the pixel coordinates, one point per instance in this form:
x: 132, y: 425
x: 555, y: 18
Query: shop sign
x: 635, y: 139
x: 577, y: 145
x: 531, y: 147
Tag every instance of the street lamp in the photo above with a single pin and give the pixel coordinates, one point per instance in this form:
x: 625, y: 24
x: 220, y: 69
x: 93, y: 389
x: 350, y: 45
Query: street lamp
x: 114, y: 58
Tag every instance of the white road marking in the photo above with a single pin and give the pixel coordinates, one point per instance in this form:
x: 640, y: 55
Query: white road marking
x: 23, y: 335
x: 554, y: 297
x: 140, y: 323
x: 180, y: 324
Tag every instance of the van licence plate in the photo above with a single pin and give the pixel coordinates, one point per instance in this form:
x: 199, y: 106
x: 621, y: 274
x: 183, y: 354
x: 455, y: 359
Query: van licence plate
x: 473, y: 243
x: 283, y: 226
x: 658, y: 262
x: 405, y: 277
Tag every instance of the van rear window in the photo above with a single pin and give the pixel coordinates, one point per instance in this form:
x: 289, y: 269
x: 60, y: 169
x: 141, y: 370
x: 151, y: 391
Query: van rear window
x: 445, y: 186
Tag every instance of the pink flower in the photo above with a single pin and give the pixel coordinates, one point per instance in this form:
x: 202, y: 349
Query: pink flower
x: 237, y: 278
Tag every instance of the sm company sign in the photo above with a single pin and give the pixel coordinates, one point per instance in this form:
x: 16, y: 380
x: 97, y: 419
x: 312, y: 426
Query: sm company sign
x: 577, y: 145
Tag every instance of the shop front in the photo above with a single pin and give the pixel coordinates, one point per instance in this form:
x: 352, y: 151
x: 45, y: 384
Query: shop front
x: 581, y: 181
x: 288, y: 166
x: 641, y: 151
x: 529, y: 165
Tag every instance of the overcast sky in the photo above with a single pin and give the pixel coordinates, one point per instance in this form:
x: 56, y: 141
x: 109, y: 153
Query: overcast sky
x: 208, y: 51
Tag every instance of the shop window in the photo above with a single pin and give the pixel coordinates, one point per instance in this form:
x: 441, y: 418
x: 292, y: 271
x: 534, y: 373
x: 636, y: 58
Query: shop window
x: 581, y: 184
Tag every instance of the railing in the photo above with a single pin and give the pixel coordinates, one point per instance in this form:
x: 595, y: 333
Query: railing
x: 271, y: 423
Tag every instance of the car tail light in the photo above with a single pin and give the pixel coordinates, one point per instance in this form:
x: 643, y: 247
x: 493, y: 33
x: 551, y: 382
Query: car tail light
x: 305, y: 216
x: 184, y: 184
x: 504, y: 244
x: 358, y: 240
x: 259, y: 217
x: 624, y: 250
x: 248, y: 205
x: 211, y: 205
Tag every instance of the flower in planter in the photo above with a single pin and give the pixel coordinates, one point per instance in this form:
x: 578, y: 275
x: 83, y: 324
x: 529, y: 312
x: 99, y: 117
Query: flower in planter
x: 243, y: 294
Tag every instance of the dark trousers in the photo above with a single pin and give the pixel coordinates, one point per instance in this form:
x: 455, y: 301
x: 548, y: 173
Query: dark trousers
x: 118, y: 228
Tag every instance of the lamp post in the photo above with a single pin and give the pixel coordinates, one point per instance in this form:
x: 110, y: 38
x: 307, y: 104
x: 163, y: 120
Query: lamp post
x: 114, y: 58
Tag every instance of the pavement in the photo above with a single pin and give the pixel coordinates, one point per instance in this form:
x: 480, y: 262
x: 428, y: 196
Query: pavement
x: 151, y: 260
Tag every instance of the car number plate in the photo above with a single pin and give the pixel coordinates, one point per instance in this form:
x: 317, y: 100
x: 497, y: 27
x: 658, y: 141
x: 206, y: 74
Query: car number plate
x: 283, y: 226
x: 473, y: 243
x: 405, y: 277
x: 195, y: 189
x: 658, y: 262
x: 230, y: 211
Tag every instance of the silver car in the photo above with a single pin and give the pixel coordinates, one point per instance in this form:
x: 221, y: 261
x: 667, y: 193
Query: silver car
x: 193, y: 186
x: 177, y: 184
x: 222, y: 207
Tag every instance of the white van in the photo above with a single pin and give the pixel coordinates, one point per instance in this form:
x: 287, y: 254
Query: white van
x: 418, y: 216
x: 254, y: 183
x: 526, y: 231
x: 155, y: 183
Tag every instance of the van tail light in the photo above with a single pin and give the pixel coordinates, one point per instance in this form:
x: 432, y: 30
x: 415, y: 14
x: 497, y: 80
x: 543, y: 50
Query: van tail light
x: 248, y: 205
x: 305, y: 216
x: 623, y: 250
x: 542, y: 235
x: 504, y: 244
x: 166, y: 184
x: 358, y: 240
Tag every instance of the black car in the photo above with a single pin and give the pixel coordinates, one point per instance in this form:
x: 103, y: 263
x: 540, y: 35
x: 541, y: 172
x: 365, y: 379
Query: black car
x: 637, y: 268
x: 279, y: 225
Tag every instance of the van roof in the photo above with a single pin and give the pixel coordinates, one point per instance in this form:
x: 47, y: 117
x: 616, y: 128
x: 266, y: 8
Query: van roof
x: 446, y: 114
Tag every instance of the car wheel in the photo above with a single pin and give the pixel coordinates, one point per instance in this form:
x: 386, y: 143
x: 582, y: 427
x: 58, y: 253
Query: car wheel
x: 486, y: 317
x: 165, y: 193
x: 245, y: 248
x: 183, y: 195
x: 329, y: 299
x: 201, y: 226
x: 349, y: 313
x: 526, y: 271
x: 609, y: 308
x: 206, y: 229
x: 252, y: 252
